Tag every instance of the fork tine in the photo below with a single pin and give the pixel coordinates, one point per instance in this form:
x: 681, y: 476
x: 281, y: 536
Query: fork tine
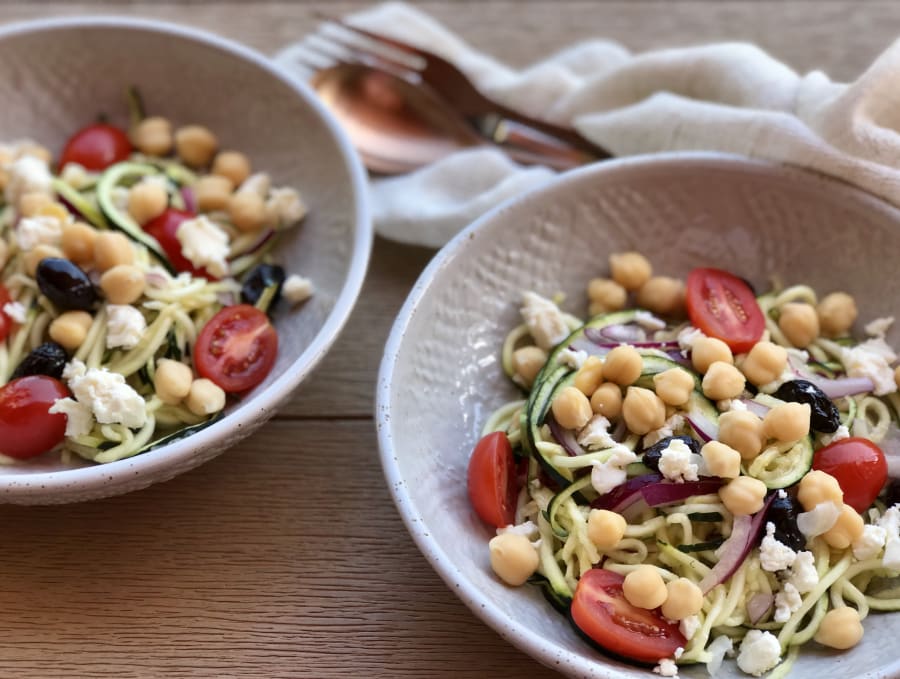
x: 365, y: 54
x: 376, y: 37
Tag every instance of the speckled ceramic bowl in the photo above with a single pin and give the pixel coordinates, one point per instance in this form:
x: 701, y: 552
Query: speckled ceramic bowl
x: 441, y: 373
x: 58, y: 75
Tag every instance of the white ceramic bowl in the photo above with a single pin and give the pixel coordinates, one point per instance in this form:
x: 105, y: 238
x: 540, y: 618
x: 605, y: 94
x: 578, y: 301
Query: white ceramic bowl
x: 441, y: 373
x: 58, y: 75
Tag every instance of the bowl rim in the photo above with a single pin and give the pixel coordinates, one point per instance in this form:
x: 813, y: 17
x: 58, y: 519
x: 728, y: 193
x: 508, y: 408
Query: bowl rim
x: 102, y: 479
x: 523, y: 637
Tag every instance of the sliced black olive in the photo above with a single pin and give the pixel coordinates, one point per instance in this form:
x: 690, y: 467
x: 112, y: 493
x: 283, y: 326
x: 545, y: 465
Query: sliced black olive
x: 824, y: 415
x: 654, y: 452
x: 64, y: 284
x: 47, y: 359
x: 261, y: 277
x: 783, y: 513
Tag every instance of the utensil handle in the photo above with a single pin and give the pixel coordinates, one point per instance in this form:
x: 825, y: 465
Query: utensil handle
x: 557, y: 153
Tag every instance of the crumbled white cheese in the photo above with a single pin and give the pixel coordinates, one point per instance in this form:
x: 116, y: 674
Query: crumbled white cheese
x: 544, y: 320
x: 666, y: 668
x: 787, y: 602
x: 688, y: 336
x: 879, y: 326
x: 774, y: 555
x: 841, y: 433
x: 259, y: 183
x: 77, y: 176
x: 119, y: 197
x: 125, y: 326
x: 872, y: 359
x: 819, y: 519
x: 111, y: 400
x: 297, y: 289
x: 648, y: 321
x: 595, y: 434
x: 607, y: 475
x: 204, y: 244
x: 284, y: 207
x: 16, y: 311
x: 869, y: 544
x: 670, y: 426
x: 803, y: 574
x: 27, y: 174
x: 40, y: 230
x: 572, y: 358
x: 718, y: 649
x: 760, y: 652
x: 527, y: 528
x: 689, y: 626
x: 890, y: 521
x: 79, y: 418
x: 677, y: 462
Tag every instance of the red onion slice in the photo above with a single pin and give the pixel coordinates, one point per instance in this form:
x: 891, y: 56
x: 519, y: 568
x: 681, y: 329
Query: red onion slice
x: 705, y: 428
x: 190, y: 203
x: 565, y: 437
x: 616, y: 333
x: 843, y: 386
x: 264, y: 238
x: 755, y: 407
x: 758, y: 605
x: 624, y: 496
x: 666, y: 492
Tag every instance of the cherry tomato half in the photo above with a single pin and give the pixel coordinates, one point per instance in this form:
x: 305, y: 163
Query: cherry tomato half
x: 492, y: 480
x: 859, y: 467
x: 164, y: 229
x: 602, y: 613
x: 236, y: 348
x: 96, y: 147
x: 6, y: 323
x: 723, y: 306
x: 26, y: 428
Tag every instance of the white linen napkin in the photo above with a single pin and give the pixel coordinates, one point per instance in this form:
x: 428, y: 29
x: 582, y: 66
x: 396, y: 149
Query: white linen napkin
x: 730, y: 97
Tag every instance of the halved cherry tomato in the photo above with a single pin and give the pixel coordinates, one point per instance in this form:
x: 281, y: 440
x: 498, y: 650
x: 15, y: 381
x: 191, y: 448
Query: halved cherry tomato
x: 723, y: 306
x: 6, y: 323
x: 26, y: 428
x: 236, y: 348
x: 164, y: 229
x: 492, y: 480
x: 859, y: 467
x: 96, y: 147
x: 601, y: 612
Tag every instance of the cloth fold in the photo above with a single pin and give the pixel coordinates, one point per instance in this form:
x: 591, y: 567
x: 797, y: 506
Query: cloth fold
x: 729, y: 97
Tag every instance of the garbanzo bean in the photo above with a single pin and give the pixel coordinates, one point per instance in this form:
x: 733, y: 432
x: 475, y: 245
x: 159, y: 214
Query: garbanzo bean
x: 231, y: 164
x: 721, y: 460
x: 527, y: 363
x: 764, y: 363
x: 840, y: 628
x: 172, y: 380
x: 743, y: 495
x: 708, y: 350
x: 205, y: 397
x: 147, y: 200
x: 742, y: 430
x: 674, y: 386
x: 112, y: 248
x: 846, y: 530
x: 605, y: 528
x: 77, y: 242
x: 212, y: 192
x: 643, y: 410
x: 606, y: 295
x: 787, y: 422
x: 70, y: 329
x: 722, y: 380
x: 662, y: 295
x: 683, y: 600
x: 571, y: 408
x: 195, y: 145
x: 607, y: 400
x: 589, y: 376
x: 123, y: 284
x: 800, y: 323
x: 153, y: 136
x: 645, y: 588
x: 623, y: 365
x: 247, y: 210
x: 34, y: 256
x: 817, y: 487
x: 630, y: 269
x: 513, y: 558
x: 837, y: 312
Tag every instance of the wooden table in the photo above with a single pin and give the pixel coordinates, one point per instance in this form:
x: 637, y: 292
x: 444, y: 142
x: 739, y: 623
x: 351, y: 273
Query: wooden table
x: 285, y: 557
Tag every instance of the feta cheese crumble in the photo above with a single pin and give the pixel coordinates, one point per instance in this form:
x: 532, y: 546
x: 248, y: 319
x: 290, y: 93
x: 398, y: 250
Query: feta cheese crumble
x: 760, y: 652
x: 79, y: 418
x: 677, y: 464
x: 204, y: 244
x: 544, y: 320
x: 110, y: 399
x: 27, y: 174
x: 607, y: 475
x: 297, y: 289
x: 774, y: 555
x: 125, y: 326
x: 787, y: 601
x: 284, y: 207
x: 668, y: 429
x: 572, y: 358
x: 16, y: 311
x: 871, y: 359
x: 595, y: 434
x: 869, y: 544
x: 890, y: 521
x: 689, y: 626
x: 666, y: 668
x: 839, y: 435
x: 803, y: 574
x: 40, y: 230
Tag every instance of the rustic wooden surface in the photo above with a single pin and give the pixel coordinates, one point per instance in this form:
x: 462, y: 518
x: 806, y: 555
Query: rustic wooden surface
x: 285, y: 557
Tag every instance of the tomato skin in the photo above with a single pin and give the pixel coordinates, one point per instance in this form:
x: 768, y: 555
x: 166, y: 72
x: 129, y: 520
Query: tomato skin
x: 723, y: 306
x: 859, y: 467
x: 26, y: 428
x: 601, y: 612
x: 236, y: 348
x: 6, y: 323
x: 164, y: 229
x: 491, y: 480
x: 96, y: 147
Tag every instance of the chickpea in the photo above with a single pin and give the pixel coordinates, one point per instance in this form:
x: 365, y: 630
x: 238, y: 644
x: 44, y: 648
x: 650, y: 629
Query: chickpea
x: 233, y: 165
x: 644, y: 587
x: 247, y: 210
x: 643, y: 410
x: 34, y: 256
x: 195, y: 145
x: 683, y: 599
x: 846, y: 530
x: 607, y: 400
x: 765, y: 362
x: 571, y: 408
x: 77, y: 242
x: 589, y: 376
x: 153, y: 136
x: 55, y: 210
x: 513, y: 558
x: 799, y: 323
x: 837, y: 313
x: 709, y: 350
x: 742, y: 430
x: 205, y: 397
x: 606, y: 295
x: 605, y: 528
x: 662, y: 295
x: 147, y: 200
x: 112, y: 248
x: 70, y: 329
x: 721, y: 460
x: 527, y: 363
x: 36, y: 151
x: 743, y: 495
x: 212, y: 192
x: 674, y: 386
x: 623, y: 365
x: 840, y: 628
x: 817, y: 487
x: 630, y: 269
x: 723, y: 380
x: 172, y: 380
x: 787, y: 422
x: 31, y: 204
x: 123, y: 284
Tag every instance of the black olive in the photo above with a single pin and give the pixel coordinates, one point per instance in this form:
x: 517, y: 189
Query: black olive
x: 261, y: 277
x: 783, y: 513
x: 64, y: 284
x: 892, y: 492
x: 47, y: 359
x: 654, y: 452
x: 824, y: 415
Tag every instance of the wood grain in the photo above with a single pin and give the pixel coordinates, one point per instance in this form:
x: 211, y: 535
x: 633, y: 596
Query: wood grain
x: 285, y: 556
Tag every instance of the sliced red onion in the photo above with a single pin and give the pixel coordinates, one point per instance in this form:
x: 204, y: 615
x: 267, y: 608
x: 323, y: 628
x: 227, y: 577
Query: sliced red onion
x: 616, y: 333
x: 187, y: 195
x: 755, y: 407
x: 758, y: 605
x: 818, y: 520
x: 619, y: 432
x: 890, y: 444
x: 624, y: 496
x: 667, y: 493
x: 744, y: 536
x: 843, y: 386
x: 156, y: 278
x: 263, y: 238
x: 705, y: 428
x: 717, y: 650
x: 678, y: 357
x: 565, y: 437
x: 225, y: 298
